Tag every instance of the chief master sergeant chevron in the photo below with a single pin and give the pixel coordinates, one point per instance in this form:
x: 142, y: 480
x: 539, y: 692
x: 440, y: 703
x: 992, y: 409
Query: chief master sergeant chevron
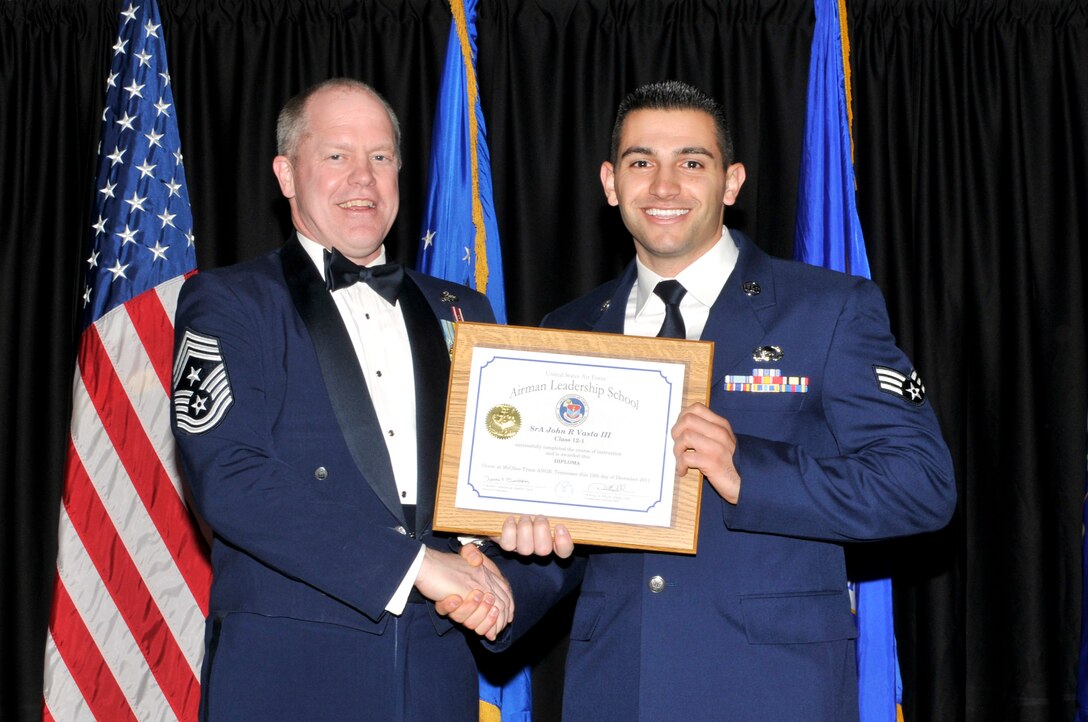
x: 308, y: 413
x: 818, y: 433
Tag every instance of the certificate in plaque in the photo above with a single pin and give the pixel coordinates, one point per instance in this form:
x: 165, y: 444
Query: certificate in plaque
x: 575, y: 426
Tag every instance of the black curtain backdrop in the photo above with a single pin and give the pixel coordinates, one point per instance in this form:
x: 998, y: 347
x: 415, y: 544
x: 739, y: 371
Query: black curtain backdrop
x: 972, y: 164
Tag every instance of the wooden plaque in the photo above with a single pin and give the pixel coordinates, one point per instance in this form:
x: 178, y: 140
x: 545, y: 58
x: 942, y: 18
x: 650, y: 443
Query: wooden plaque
x: 613, y: 351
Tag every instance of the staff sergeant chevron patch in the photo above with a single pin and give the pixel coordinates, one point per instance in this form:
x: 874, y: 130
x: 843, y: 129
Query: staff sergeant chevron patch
x: 202, y: 393
x: 909, y: 388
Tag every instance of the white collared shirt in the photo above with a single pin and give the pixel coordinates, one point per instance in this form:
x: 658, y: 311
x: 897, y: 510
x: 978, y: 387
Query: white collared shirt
x: 381, y: 344
x: 703, y: 279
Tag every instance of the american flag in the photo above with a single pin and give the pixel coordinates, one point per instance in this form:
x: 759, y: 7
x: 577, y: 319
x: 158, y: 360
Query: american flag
x: 131, y: 590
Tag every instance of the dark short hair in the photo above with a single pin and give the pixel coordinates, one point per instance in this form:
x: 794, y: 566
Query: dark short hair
x: 673, y: 95
x: 291, y: 123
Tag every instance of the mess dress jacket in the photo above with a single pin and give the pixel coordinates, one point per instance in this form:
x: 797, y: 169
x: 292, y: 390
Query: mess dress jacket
x: 757, y: 625
x: 281, y: 449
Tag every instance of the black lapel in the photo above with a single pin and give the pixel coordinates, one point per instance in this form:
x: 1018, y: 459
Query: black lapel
x: 340, y: 370
x: 431, y: 365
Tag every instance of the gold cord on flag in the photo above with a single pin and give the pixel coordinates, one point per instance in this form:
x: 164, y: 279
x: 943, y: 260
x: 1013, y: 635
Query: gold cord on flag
x: 846, y: 77
x: 458, y: 10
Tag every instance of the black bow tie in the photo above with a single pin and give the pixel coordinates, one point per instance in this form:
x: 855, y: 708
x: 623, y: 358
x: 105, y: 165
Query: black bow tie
x: 341, y: 273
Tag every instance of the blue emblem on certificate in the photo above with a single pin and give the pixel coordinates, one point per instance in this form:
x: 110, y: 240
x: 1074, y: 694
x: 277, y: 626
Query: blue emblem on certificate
x: 571, y: 410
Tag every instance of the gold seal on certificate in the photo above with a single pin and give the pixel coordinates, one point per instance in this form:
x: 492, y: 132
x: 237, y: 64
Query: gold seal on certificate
x: 503, y: 421
x: 575, y: 426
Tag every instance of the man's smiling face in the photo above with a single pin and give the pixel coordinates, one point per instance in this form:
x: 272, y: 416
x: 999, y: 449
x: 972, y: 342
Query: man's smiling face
x: 341, y: 180
x: 670, y: 185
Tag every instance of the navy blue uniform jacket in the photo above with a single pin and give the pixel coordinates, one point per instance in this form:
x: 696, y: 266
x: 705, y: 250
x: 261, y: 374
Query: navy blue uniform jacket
x: 281, y: 448
x: 757, y: 625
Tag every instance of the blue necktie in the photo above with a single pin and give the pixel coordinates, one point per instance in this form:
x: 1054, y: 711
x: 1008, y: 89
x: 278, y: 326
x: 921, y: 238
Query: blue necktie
x: 671, y: 292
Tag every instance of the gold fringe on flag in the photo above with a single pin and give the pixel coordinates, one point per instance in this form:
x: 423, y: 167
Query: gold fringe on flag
x: 458, y: 10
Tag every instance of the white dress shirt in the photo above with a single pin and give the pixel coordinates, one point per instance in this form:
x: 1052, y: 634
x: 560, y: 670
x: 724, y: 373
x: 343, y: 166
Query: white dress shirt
x: 703, y: 279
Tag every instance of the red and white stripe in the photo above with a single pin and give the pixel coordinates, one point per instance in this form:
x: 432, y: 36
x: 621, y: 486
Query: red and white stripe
x: 131, y: 592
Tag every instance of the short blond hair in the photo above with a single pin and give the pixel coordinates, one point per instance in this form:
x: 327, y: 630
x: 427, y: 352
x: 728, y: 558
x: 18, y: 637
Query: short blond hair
x: 291, y: 123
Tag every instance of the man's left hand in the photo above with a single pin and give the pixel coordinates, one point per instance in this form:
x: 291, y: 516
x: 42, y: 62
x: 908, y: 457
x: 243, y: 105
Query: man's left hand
x: 705, y: 441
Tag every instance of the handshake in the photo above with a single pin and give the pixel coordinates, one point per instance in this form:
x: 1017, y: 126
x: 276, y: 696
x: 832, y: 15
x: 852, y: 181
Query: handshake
x: 470, y: 589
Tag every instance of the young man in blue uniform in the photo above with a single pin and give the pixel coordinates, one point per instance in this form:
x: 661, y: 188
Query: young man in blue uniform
x: 845, y: 448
